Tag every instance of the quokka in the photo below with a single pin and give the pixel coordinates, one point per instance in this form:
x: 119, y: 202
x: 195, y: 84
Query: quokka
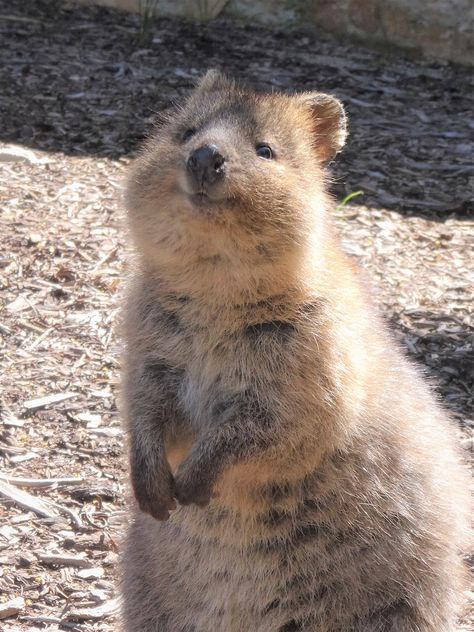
x: 291, y: 469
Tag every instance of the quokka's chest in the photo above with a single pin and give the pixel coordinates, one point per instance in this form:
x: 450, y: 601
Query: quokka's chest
x: 214, y: 379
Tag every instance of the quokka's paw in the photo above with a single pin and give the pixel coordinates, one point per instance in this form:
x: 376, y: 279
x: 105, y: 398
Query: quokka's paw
x: 157, y: 507
x: 155, y: 495
x: 191, y: 487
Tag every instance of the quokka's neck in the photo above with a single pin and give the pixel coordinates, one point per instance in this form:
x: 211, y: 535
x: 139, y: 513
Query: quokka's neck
x: 229, y: 283
x: 223, y: 285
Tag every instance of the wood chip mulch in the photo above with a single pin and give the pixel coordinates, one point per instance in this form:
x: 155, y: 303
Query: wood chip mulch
x: 77, y: 92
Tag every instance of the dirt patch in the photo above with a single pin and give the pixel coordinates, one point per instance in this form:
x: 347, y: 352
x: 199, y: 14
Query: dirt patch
x: 78, y: 92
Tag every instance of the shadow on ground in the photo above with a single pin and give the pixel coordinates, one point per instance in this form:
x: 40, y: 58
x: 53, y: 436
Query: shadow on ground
x: 444, y: 345
x: 78, y: 81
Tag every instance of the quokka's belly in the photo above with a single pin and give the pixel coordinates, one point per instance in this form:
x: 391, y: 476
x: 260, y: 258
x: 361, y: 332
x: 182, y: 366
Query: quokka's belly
x: 203, y: 571
x: 326, y: 553
x: 196, y: 583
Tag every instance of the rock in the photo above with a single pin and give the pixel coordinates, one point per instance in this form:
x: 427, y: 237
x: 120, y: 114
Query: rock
x: 12, y: 607
x: 14, y: 153
x: 26, y: 559
x: 90, y: 573
x: 365, y: 14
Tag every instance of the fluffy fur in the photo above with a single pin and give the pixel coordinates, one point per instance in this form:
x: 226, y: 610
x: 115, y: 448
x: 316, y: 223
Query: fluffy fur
x: 315, y: 478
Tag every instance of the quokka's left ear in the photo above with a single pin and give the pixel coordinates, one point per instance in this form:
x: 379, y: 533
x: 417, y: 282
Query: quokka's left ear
x: 213, y: 80
x: 329, y: 122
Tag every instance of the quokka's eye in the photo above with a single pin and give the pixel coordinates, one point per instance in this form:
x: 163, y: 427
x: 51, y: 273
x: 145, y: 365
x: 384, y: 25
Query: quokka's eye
x: 188, y: 134
x: 264, y: 151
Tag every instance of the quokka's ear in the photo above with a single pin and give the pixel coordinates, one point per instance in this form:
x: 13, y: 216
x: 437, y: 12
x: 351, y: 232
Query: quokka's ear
x: 213, y: 80
x: 329, y: 123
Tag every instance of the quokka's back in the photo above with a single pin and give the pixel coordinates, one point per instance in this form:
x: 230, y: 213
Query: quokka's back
x: 291, y: 469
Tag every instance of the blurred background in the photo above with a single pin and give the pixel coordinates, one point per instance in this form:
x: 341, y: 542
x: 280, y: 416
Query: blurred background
x: 80, y: 85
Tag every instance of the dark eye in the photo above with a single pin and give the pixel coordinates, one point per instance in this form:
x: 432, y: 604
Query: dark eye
x: 187, y: 134
x: 264, y: 151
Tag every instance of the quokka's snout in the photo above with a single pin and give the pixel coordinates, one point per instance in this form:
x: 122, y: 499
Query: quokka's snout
x: 206, y: 166
x: 206, y: 169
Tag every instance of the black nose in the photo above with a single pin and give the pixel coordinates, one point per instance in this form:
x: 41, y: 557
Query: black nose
x: 206, y: 165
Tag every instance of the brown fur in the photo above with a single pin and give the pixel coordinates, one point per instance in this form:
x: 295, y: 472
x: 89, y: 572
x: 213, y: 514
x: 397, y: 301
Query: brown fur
x: 318, y: 483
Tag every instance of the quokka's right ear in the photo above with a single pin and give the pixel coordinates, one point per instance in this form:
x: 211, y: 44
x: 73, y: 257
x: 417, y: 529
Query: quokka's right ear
x: 329, y: 122
x: 213, y: 80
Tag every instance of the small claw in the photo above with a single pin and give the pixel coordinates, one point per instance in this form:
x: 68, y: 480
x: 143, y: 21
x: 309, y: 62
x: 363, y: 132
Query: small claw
x: 182, y: 498
x: 161, y: 515
x: 159, y: 511
x: 154, y: 512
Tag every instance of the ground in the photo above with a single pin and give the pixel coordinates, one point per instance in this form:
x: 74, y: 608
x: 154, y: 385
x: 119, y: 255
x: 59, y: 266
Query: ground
x: 77, y: 93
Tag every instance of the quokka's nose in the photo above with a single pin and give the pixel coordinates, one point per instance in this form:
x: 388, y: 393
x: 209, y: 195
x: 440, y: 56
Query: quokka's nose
x: 206, y: 164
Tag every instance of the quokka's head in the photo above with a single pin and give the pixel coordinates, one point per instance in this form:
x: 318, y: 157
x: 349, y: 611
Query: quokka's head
x: 231, y: 170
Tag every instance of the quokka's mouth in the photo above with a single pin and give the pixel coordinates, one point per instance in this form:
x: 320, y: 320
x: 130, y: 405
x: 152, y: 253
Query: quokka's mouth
x: 203, y: 200
x: 200, y: 198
